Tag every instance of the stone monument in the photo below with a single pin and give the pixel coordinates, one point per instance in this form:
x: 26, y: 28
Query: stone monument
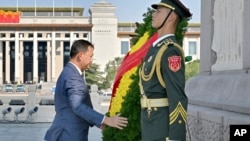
x: 219, y: 96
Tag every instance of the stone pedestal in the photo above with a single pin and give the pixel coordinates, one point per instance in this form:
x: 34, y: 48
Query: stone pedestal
x: 219, y: 95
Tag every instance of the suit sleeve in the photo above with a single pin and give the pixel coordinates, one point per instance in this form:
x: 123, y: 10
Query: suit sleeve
x: 173, y: 72
x: 79, y: 100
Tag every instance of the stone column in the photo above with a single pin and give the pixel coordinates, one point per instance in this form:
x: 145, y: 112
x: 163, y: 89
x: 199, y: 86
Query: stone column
x: 72, y: 37
x: 49, y: 61
x: 7, y: 61
x: 59, y: 58
x: 219, y: 94
x: 17, y: 58
x: 21, y: 62
x: 53, y: 57
x: 35, y: 57
x: 206, y: 54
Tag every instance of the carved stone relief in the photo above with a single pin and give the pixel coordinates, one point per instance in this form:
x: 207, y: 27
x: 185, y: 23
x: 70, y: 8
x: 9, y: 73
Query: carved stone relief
x: 228, y: 32
x: 202, y: 129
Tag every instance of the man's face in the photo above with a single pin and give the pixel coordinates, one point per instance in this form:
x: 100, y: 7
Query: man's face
x: 159, y: 15
x: 87, y: 58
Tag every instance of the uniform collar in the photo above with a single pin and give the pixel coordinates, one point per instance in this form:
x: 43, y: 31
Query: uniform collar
x: 161, y: 38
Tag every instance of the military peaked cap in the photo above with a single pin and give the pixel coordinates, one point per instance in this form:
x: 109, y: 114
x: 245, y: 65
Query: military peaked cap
x: 177, y: 6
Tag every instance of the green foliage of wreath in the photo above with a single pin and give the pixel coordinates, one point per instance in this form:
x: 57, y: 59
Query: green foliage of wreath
x: 131, y: 110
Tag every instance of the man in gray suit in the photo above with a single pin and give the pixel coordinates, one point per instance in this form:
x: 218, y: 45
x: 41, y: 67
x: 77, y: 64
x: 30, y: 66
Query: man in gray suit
x: 74, y: 110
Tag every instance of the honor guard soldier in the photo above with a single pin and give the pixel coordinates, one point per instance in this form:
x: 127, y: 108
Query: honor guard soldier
x: 162, y: 78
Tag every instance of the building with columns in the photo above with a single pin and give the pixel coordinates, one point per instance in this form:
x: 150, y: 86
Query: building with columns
x: 35, y: 42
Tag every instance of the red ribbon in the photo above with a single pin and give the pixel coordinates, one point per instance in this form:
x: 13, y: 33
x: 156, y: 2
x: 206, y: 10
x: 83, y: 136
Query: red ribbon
x: 132, y: 60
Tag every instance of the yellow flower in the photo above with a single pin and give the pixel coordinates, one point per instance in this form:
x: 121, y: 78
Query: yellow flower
x: 121, y: 92
x: 139, y: 43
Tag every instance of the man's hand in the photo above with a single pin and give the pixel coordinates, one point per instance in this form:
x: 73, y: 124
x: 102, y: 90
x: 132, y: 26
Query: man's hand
x: 102, y: 126
x: 116, y: 121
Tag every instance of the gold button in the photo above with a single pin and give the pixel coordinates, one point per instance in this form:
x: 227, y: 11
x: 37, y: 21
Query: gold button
x: 180, y: 121
x: 155, y: 108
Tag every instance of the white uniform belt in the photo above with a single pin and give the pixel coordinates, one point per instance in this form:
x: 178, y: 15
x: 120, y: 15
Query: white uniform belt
x: 159, y: 102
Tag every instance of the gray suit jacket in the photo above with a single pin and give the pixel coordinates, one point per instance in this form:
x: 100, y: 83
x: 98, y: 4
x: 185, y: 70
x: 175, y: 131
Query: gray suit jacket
x: 74, y: 110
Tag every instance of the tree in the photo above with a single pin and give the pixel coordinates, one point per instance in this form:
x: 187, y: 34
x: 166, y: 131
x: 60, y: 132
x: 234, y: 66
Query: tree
x: 94, y: 76
x: 192, y: 69
x: 110, y: 69
x: 145, y: 26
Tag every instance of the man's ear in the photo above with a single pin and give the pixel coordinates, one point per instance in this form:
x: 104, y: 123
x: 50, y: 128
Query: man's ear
x: 78, y: 56
x: 173, y: 16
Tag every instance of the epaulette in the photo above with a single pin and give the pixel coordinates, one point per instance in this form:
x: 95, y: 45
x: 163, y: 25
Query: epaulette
x: 168, y: 42
x: 171, y: 42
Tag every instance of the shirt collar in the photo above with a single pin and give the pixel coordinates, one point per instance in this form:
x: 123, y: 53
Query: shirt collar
x: 161, y: 38
x: 78, y: 69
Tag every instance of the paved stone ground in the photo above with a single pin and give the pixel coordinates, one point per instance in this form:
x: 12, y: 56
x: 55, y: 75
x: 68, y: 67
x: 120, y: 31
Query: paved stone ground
x: 17, y: 131
x: 35, y: 132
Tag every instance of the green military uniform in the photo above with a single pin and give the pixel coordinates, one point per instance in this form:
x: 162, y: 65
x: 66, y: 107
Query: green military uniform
x: 162, y: 82
x: 159, y: 123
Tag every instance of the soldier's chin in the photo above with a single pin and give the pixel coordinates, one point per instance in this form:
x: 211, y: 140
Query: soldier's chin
x: 154, y: 26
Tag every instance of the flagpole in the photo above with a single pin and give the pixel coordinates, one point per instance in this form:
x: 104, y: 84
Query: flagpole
x: 35, y: 7
x: 72, y: 8
x: 16, y: 5
x: 53, y: 8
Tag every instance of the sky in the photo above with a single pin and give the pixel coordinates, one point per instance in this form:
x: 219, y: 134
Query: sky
x: 126, y: 10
